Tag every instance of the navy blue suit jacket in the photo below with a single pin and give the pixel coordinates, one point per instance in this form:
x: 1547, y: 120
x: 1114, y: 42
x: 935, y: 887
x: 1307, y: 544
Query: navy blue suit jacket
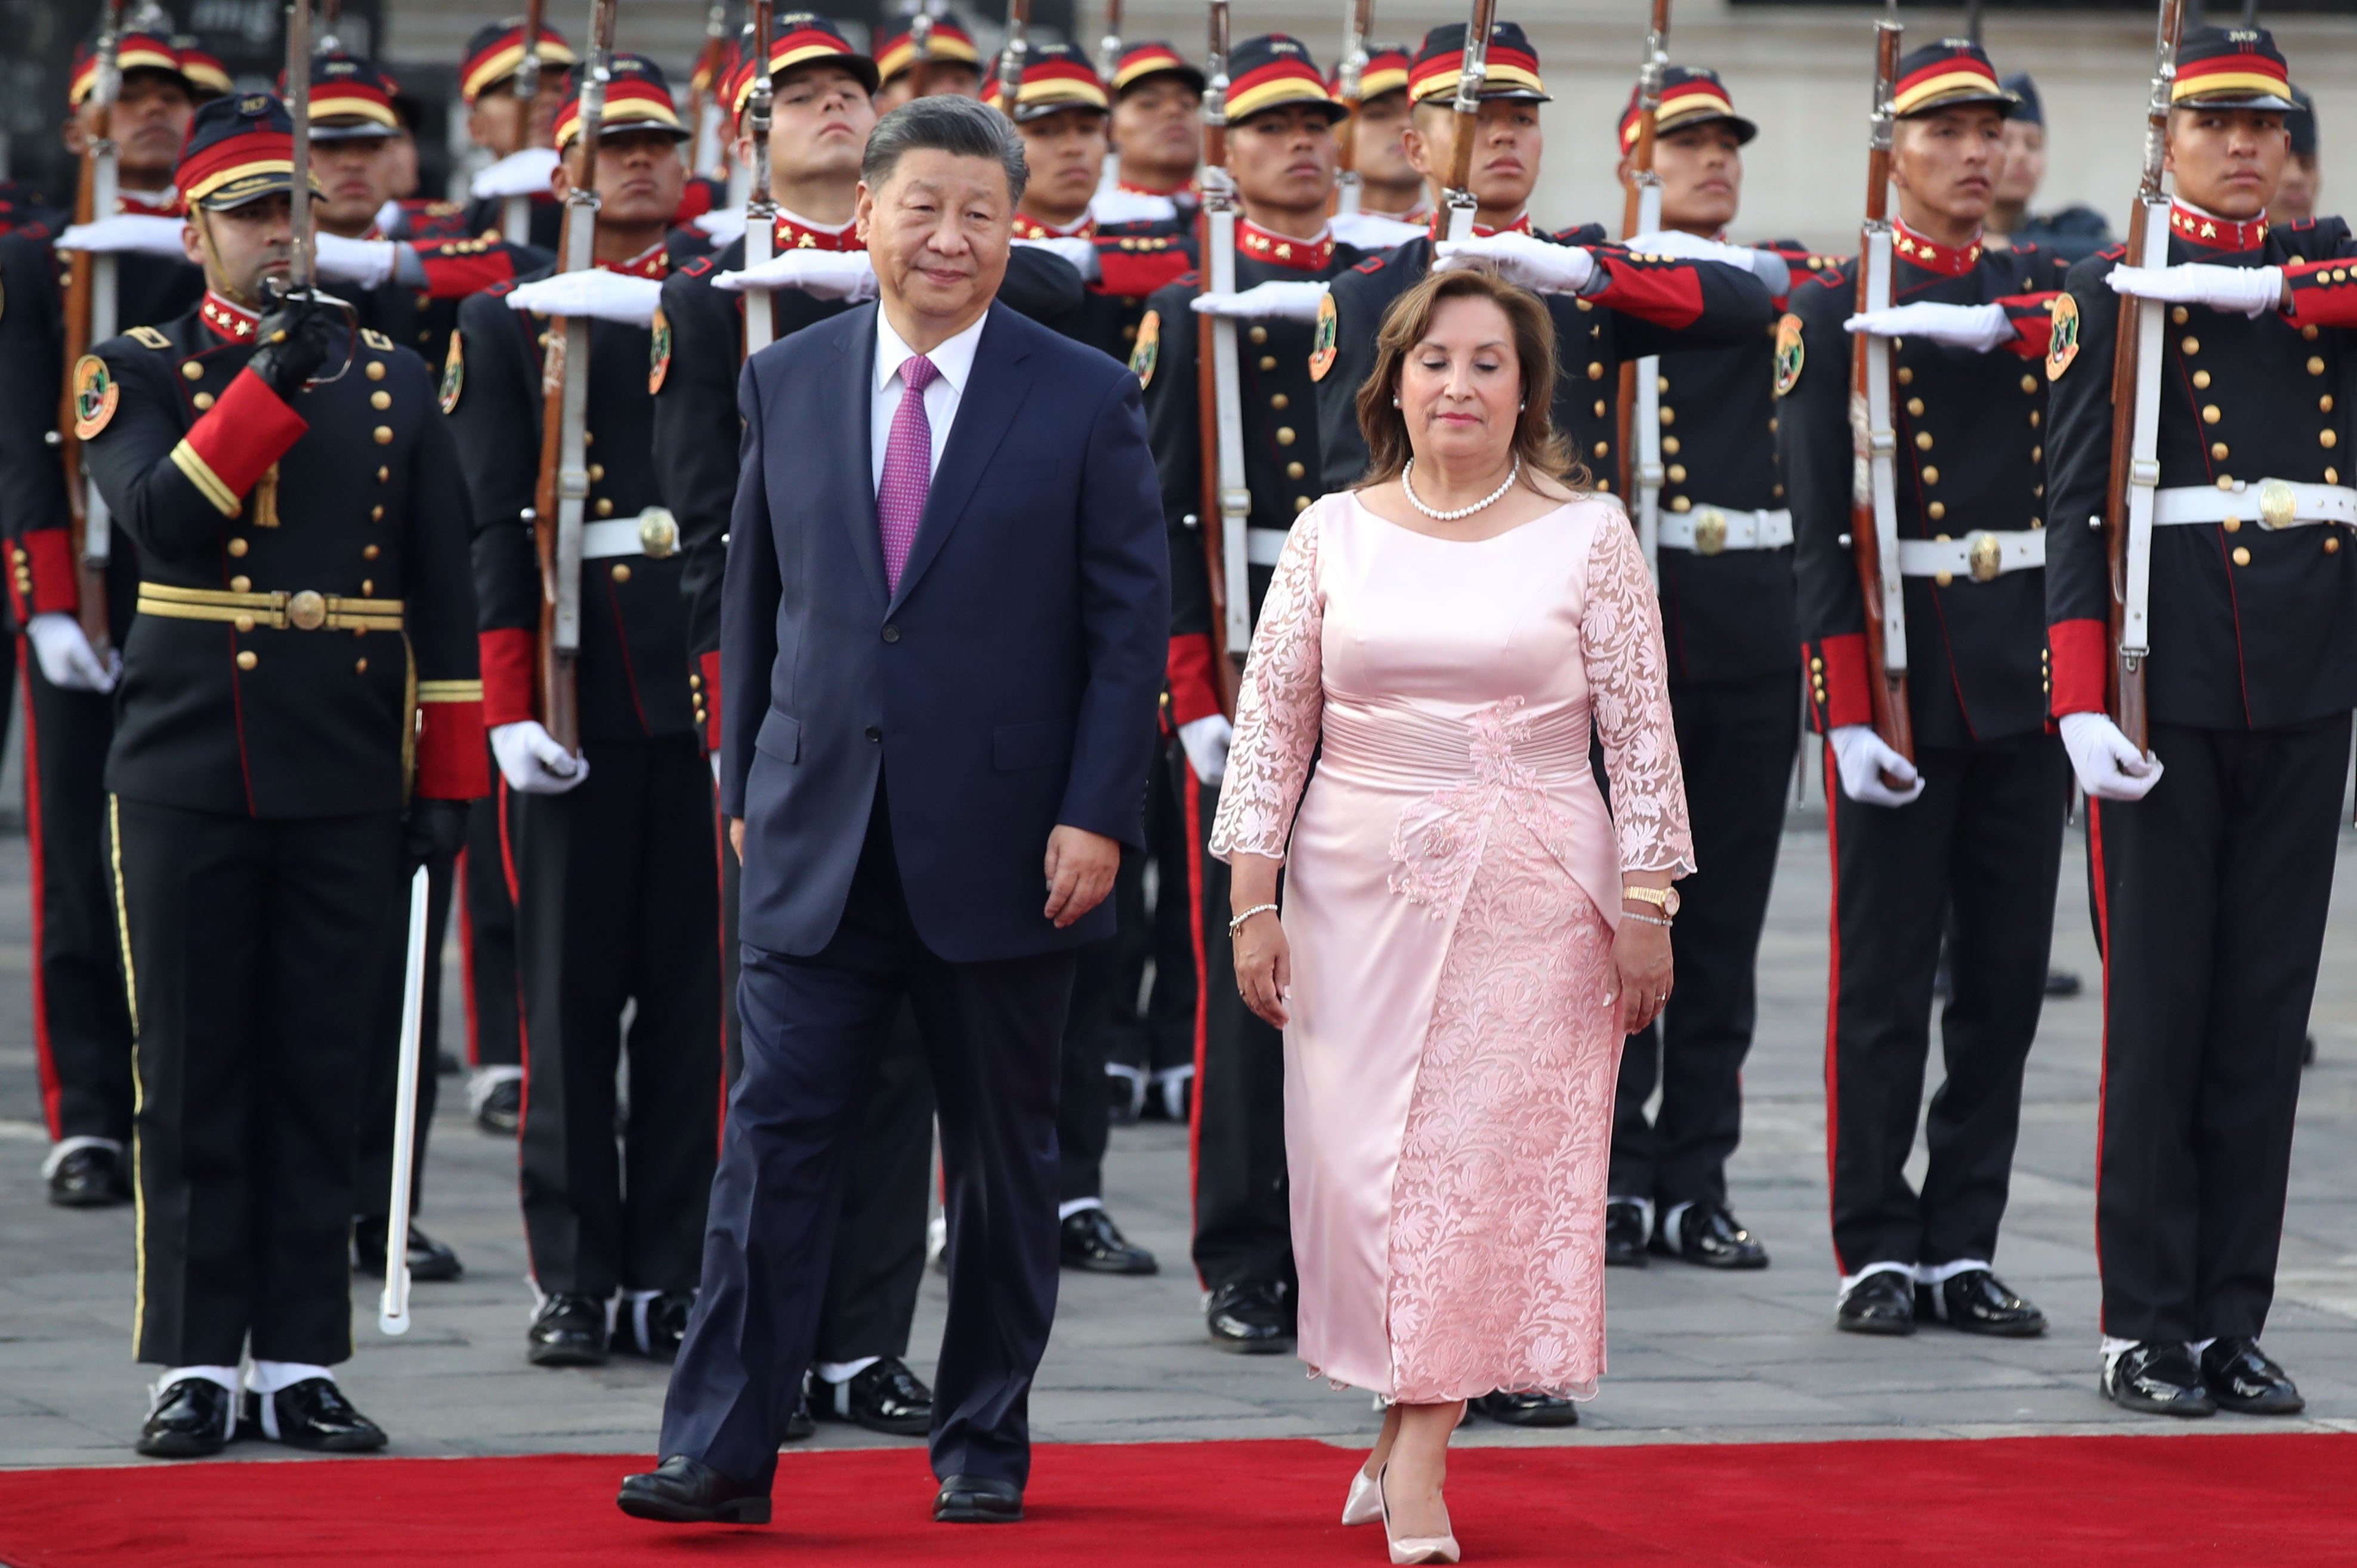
x: 1011, y: 685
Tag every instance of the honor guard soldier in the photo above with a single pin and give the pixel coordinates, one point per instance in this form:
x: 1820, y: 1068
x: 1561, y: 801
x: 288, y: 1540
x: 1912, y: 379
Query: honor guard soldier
x: 81, y: 1026
x: 2072, y: 234
x: 299, y: 721
x: 208, y: 77
x: 515, y: 132
x: 1158, y: 125
x: 1971, y: 830
x: 1281, y: 155
x: 612, y: 849
x: 2211, y: 853
x: 945, y: 60
x: 1724, y: 568
x: 1608, y: 306
x: 1389, y: 184
x: 2295, y: 193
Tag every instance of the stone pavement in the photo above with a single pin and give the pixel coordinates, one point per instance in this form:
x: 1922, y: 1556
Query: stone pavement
x: 1694, y: 1357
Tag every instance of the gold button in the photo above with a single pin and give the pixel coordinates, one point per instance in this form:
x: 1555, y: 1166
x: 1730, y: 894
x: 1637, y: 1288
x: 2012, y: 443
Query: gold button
x: 2191, y: 345
x: 1681, y: 503
x: 2038, y: 453
x: 360, y: 665
x: 1930, y: 475
x: 2029, y: 383
x: 1601, y: 408
x: 2328, y: 438
x: 1677, y: 473
x: 2225, y: 481
x: 1660, y: 384
x: 2233, y: 525
x: 1280, y: 401
x: 376, y: 515
x: 605, y: 506
x: 1594, y: 369
x: 588, y: 438
x: 1906, y: 376
x: 1602, y: 447
x: 385, y: 435
x: 370, y: 553
x: 1268, y: 361
x: 1285, y: 437
x: 382, y: 475
x: 1923, y: 440
x: 2218, y: 450
x: 621, y: 573
x: 193, y: 370
x: 1129, y: 334
x: 2200, y: 380
x: 1669, y: 416
x: 243, y: 623
x: 1259, y: 333
x: 2315, y: 365
x: 2241, y: 555
x: 1603, y: 487
x: 1944, y: 578
x: 203, y: 401
x: 2037, y: 418
x: 246, y: 660
x: 240, y: 585
x: 237, y: 547
x: 2331, y: 476
x: 2333, y: 544
x: 1817, y: 662
x: 1915, y: 405
x: 2325, y: 402
x: 1585, y: 305
x: 2177, y: 315
x: 1670, y: 444
x: 2309, y: 333
x: 368, y: 588
x: 376, y: 369
x: 597, y: 472
x: 1940, y: 538
x: 2211, y: 414
x: 1300, y: 503
x: 1936, y: 510
x: 1294, y: 470
x: 380, y: 398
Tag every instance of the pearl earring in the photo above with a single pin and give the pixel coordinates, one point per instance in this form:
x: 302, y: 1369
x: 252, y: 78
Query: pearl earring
x: 1396, y: 402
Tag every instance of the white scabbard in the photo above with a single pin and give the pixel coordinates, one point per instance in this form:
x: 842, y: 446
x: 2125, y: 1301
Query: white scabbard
x: 2148, y: 320
x: 392, y: 1309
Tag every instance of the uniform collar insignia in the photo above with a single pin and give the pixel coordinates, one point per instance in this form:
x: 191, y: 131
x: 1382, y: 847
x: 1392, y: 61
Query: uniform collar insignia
x: 1917, y: 251
x: 2209, y: 231
x: 231, y: 322
x: 1030, y: 227
x: 654, y: 261
x: 795, y: 232
x: 1284, y: 250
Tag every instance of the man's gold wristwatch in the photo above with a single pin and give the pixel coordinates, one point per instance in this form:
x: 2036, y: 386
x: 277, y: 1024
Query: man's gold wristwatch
x: 1665, y: 898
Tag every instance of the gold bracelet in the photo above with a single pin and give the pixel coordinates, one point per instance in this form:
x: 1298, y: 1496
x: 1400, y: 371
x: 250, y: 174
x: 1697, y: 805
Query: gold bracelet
x: 1237, y: 924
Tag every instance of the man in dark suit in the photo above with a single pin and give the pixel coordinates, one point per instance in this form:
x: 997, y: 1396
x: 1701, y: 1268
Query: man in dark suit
x: 959, y: 671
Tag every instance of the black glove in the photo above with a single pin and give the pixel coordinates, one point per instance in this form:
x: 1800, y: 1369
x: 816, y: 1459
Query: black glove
x: 433, y: 831
x: 297, y: 339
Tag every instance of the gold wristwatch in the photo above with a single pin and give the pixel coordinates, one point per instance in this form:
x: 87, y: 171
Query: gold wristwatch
x: 1665, y: 898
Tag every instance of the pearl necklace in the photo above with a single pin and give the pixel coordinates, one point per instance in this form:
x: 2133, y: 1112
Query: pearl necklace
x: 1407, y: 484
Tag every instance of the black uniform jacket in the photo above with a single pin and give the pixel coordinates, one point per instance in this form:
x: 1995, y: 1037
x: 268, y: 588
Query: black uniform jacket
x: 2251, y: 627
x: 422, y: 318
x: 1133, y: 259
x: 1972, y: 435
x: 632, y: 677
x: 347, y: 493
x: 1645, y: 306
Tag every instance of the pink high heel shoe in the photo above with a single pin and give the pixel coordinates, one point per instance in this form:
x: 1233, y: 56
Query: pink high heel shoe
x: 1413, y: 1548
x: 1365, y: 1503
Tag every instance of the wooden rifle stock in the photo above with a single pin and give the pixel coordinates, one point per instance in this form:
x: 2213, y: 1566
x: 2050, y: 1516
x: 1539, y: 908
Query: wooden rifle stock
x: 1892, y: 719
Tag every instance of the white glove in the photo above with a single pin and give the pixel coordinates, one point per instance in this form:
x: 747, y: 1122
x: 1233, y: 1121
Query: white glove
x: 822, y: 274
x: 1081, y: 254
x: 68, y: 661
x: 1862, y: 758
x: 607, y: 295
x: 1206, y: 741
x: 389, y: 218
x: 136, y: 234
x: 518, y: 174
x: 1118, y: 205
x: 724, y: 224
x: 1266, y: 302
x: 2108, y: 764
x: 366, y: 263
x: 1979, y: 327
x: 1766, y: 265
x: 2253, y: 291
x: 1523, y: 260
x: 532, y: 762
x: 1370, y: 233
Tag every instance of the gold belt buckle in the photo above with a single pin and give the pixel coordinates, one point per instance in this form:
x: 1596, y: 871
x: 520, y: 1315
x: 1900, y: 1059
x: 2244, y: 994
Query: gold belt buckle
x: 1986, y: 553
x: 657, y: 532
x: 1710, y: 530
x: 306, y: 611
x: 2278, y: 507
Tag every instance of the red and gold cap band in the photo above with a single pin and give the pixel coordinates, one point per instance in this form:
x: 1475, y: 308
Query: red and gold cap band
x: 489, y: 67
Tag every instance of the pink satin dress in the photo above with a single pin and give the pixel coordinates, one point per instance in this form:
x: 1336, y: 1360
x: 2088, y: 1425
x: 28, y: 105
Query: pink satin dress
x: 1452, y: 883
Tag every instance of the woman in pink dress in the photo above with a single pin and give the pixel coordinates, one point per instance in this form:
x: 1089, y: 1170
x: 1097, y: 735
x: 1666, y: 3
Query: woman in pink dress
x: 1468, y: 932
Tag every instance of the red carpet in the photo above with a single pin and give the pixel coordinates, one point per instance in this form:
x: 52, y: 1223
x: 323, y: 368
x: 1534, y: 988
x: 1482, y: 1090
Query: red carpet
x: 2290, y: 1500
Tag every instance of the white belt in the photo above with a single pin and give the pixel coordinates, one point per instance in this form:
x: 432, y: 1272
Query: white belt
x: 1707, y: 530
x: 1263, y: 546
x: 654, y: 532
x: 2270, y: 503
x: 1980, y: 556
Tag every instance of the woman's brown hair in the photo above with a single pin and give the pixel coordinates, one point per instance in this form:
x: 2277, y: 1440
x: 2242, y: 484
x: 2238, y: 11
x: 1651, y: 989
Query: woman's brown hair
x: 1536, y: 441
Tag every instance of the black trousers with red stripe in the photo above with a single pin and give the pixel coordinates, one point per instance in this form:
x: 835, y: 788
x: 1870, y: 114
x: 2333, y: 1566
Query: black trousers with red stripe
x: 2212, y: 894
x: 616, y: 904
x: 1985, y: 841
x: 494, y: 1015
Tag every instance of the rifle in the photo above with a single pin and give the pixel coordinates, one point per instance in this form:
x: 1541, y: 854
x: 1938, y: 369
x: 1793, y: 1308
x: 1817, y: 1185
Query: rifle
x: 1641, y: 380
x: 1358, y: 20
x: 563, y: 482
x: 1109, y: 46
x: 1470, y: 78
x: 2135, y: 386
x: 1011, y: 58
x: 91, y: 318
x: 515, y: 216
x: 1225, y: 508
x: 920, y: 42
x: 761, y: 207
x: 704, y: 94
x: 300, y: 272
x: 1874, y: 511
x: 330, y: 13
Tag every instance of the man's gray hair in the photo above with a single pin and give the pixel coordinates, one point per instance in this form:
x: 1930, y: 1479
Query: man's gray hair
x: 944, y: 122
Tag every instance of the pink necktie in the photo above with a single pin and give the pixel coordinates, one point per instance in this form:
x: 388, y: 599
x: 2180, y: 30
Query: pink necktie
x: 908, y: 469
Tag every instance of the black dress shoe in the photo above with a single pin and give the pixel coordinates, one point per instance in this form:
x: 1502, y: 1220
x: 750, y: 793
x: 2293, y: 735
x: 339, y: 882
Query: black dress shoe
x: 884, y: 1397
x: 1882, y: 1303
x: 1707, y: 1234
x: 977, y: 1499
x: 1250, y: 1318
x: 93, y: 1176
x: 2158, y: 1377
x: 1094, y: 1244
x: 430, y: 1262
x: 313, y: 1414
x: 2063, y: 982
x: 502, y: 1111
x: 799, y: 1426
x: 1525, y: 1410
x: 2238, y: 1375
x: 681, y: 1490
x: 1624, y: 1233
x: 1977, y: 1302
x: 568, y: 1331
x: 652, y: 1326
x: 193, y: 1418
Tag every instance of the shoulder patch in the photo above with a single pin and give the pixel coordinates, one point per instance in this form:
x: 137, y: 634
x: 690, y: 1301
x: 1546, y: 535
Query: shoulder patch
x: 696, y: 268
x: 1791, y: 354
x: 2063, y: 342
x: 148, y: 337
x: 502, y: 287
x: 658, y: 352
x: 1329, y: 340
x: 1371, y: 266
x: 95, y: 394
x: 1143, y: 358
x: 453, y: 372
x: 376, y: 340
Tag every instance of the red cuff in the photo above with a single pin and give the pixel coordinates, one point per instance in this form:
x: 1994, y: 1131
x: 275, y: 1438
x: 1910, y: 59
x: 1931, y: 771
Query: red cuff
x: 1194, y: 694
x: 452, y: 761
x: 1839, y: 690
x: 706, y: 684
x: 225, y: 454
x: 42, y: 575
x: 2323, y: 294
x: 1134, y: 275
x: 1666, y: 293
x: 457, y: 268
x: 2033, y: 324
x: 2080, y: 656
x: 509, y: 656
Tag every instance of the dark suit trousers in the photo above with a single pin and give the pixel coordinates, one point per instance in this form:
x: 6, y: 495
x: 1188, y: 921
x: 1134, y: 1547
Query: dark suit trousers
x: 1985, y: 838
x: 1736, y: 742
x: 2212, y: 892
x: 815, y: 1029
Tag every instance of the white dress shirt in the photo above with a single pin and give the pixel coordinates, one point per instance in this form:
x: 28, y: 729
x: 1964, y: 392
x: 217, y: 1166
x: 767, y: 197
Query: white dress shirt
x: 954, y: 358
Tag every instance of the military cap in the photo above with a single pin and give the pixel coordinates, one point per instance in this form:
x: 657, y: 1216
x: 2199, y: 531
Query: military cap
x: 636, y: 99
x: 1691, y: 95
x: 2301, y: 123
x: 240, y: 149
x: 206, y: 74
x: 1385, y: 71
x: 949, y: 42
x: 802, y: 38
x: 1143, y: 62
x: 496, y: 53
x: 2029, y: 111
x: 1514, y: 65
x: 1274, y: 71
x: 135, y: 51
x: 351, y: 100
x: 1056, y: 77
x: 1948, y: 74
x: 2231, y: 68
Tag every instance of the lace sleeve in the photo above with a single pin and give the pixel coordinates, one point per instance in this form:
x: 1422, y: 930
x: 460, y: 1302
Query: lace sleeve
x: 1620, y: 637
x: 1280, y: 708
